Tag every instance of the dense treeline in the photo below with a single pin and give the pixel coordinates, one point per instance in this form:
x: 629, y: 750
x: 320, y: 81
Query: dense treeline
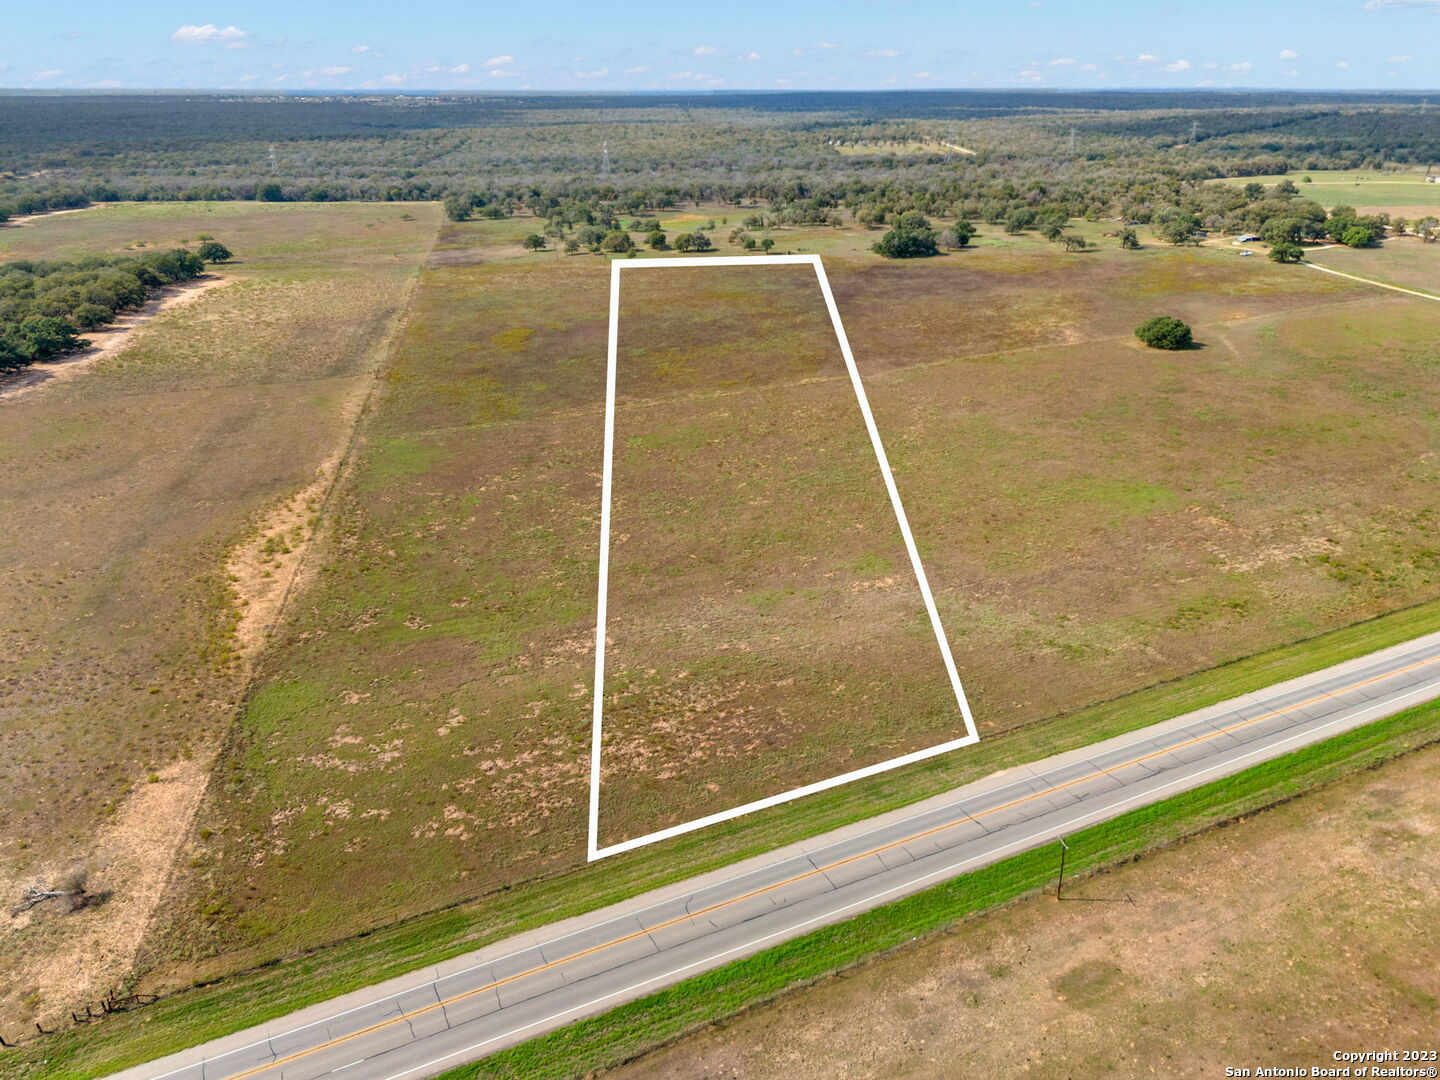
x: 507, y: 154
x: 44, y: 306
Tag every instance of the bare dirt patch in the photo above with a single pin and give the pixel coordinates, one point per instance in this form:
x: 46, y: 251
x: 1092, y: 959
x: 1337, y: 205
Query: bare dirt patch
x: 56, y: 960
x: 268, y: 567
x: 109, y: 340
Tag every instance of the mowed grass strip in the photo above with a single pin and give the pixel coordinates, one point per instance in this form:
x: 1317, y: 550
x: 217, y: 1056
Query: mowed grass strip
x: 204, y: 1012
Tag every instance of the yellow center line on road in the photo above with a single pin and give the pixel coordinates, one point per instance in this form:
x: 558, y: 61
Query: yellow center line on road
x: 890, y: 846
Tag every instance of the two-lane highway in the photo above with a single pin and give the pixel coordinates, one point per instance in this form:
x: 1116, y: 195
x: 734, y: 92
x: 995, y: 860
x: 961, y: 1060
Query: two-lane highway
x: 433, y: 1019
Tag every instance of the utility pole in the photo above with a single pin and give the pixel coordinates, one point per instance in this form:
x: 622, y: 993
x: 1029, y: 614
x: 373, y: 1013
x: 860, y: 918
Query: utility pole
x: 1060, y: 881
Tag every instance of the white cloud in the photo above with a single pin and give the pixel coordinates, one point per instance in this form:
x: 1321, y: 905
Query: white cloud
x: 598, y: 73
x: 500, y: 61
x: 1290, y: 73
x: 232, y: 37
x: 394, y: 78
x: 1400, y: 59
x: 803, y: 50
x: 1177, y: 65
x: 317, y: 73
x: 1206, y: 82
x: 53, y: 73
x: 641, y: 70
x: 1064, y: 61
x: 1030, y: 75
x: 1342, y: 64
x: 750, y: 56
x: 684, y: 75
x: 501, y: 73
x: 706, y: 50
x: 1402, y: 5
x: 1289, y: 54
x: 922, y: 75
x: 460, y: 69
x: 1210, y: 65
x: 1147, y: 58
x: 1241, y: 65
x: 882, y: 54
x: 360, y: 49
x: 1089, y: 67
x: 104, y: 84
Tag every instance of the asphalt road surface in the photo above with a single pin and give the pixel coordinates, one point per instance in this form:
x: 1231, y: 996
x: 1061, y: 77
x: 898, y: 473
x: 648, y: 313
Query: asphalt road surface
x: 439, y: 1017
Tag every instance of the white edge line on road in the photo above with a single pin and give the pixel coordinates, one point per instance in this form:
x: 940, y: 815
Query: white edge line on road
x: 1259, y: 701
x: 914, y: 884
x: 593, y: 849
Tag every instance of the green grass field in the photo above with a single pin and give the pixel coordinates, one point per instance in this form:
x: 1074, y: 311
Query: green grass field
x: 1370, y: 191
x: 1096, y: 518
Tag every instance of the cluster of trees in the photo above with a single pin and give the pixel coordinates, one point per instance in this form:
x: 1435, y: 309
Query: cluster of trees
x: 45, y: 306
x: 41, y: 200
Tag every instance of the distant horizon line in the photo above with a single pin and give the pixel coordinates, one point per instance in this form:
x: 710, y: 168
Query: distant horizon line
x: 110, y: 91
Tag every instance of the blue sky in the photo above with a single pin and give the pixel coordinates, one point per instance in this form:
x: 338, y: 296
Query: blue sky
x: 790, y: 44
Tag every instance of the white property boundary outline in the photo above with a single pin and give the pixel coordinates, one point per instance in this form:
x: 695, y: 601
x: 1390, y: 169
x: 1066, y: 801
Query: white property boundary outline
x: 971, y: 735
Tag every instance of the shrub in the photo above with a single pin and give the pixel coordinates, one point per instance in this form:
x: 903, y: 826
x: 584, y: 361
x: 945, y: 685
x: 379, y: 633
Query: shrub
x: 907, y: 244
x: 1164, y: 332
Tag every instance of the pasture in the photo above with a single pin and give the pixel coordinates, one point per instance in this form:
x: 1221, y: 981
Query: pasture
x: 1095, y: 518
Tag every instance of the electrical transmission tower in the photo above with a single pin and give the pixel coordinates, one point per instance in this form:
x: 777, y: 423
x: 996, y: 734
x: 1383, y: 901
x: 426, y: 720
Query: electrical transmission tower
x: 274, y: 162
x: 1194, y: 129
x: 605, y: 151
x: 1072, y: 141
